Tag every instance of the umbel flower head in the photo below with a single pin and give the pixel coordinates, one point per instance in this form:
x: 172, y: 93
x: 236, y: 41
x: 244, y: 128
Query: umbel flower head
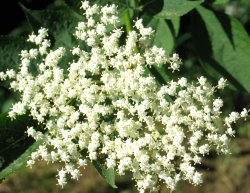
x: 107, y: 106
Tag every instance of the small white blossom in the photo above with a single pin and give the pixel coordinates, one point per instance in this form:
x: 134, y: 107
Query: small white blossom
x: 244, y: 113
x: 230, y: 131
x: 222, y: 83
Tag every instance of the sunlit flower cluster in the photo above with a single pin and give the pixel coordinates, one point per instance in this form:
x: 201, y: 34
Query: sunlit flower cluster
x: 107, y: 106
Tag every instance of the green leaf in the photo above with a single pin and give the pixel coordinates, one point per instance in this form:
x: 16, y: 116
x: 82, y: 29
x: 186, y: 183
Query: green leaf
x: 177, y: 8
x: 75, y: 5
x: 60, y: 20
x: 13, y: 140
x: 176, y: 25
x: 107, y: 174
x: 10, y: 48
x: 219, y: 2
x: 151, y: 8
x: 20, y: 161
x: 163, y: 36
x: 223, y: 42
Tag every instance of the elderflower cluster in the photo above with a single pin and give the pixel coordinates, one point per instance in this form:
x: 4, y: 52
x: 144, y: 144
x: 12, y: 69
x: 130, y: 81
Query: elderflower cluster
x: 106, y: 106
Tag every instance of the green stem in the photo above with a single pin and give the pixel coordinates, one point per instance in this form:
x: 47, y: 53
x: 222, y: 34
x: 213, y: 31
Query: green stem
x: 128, y: 23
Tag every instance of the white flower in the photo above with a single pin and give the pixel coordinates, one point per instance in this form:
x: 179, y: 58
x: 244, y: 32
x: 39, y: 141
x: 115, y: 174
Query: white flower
x: 217, y: 104
x: 202, y: 80
x: 222, y: 83
x: 230, y: 131
x: 197, y: 178
x: 244, y: 113
x: 106, y: 106
x: 62, y: 178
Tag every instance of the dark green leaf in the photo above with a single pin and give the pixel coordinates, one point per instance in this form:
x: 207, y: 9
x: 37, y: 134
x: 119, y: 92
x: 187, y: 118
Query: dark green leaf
x: 10, y: 48
x: 151, y: 8
x: 19, y: 162
x: 107, y: 174
x: 60, y: 20
x: 176, y: 25
x: 219, y: 2
x: 75, y: 5
x: 177, y: 8
x: 13, y: 140
x: 163, y: 37
x: 222, y: 41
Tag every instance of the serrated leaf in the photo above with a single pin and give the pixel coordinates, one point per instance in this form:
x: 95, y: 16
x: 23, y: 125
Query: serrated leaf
x: 19, y: 162
x: 223, y: 42
x: 177, y: 8
x: 10, y: 48
x: 107, y: 174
